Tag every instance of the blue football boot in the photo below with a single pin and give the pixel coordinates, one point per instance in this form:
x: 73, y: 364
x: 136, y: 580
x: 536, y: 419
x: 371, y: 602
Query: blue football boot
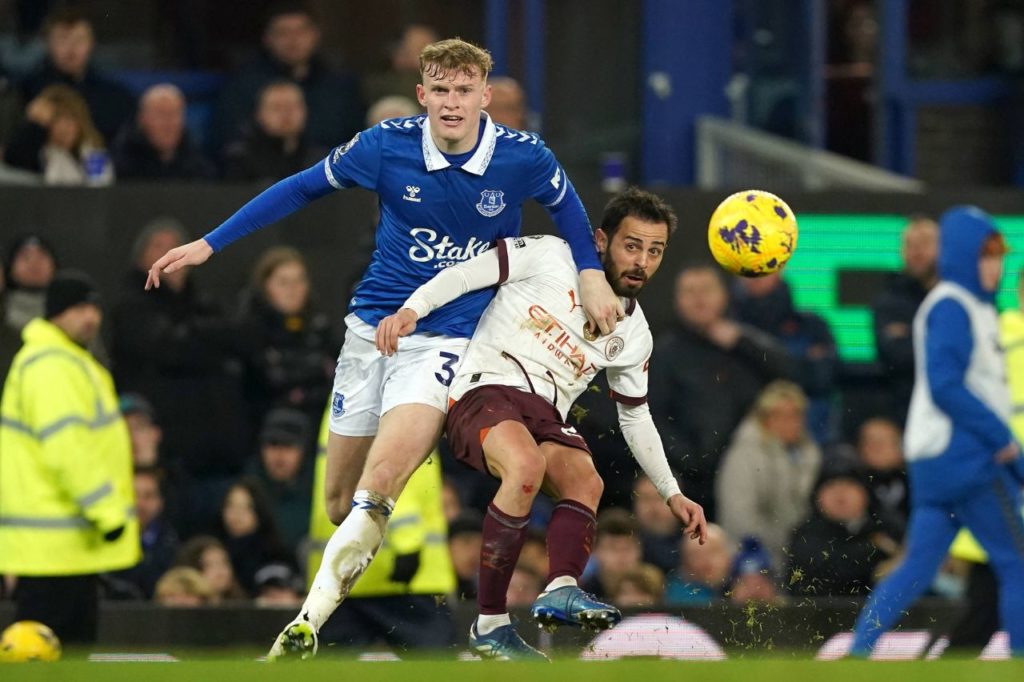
x: 570, y: 605
x: 503, y: 644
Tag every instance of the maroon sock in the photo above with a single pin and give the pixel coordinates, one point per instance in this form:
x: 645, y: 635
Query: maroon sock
x: 570, y: 536
x: 503, y: 539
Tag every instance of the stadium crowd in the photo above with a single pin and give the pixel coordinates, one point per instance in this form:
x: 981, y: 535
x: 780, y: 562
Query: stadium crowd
x: 224, y: 406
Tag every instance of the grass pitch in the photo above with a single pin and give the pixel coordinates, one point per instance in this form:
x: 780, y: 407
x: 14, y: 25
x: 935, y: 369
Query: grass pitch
x: 202, y: 667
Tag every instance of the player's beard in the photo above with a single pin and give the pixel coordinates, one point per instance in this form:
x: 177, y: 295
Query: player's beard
x: 615, y: 278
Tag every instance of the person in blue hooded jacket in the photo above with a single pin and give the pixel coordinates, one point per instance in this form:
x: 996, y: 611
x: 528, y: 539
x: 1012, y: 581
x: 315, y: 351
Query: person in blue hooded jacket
x: 964, y: 464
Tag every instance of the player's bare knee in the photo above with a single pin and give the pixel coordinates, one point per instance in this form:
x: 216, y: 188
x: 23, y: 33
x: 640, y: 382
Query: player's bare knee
x: 527, y: 472
x: 586, y: 487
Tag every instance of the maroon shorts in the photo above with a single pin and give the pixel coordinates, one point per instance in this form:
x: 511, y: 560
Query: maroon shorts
x: 473, y: 415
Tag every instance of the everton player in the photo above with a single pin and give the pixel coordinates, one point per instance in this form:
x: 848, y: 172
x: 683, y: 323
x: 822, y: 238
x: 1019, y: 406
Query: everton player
x: 449, y: 184
x: 531, y: 357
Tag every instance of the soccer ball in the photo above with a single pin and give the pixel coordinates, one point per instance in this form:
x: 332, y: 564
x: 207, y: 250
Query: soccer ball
x: 28, y: 640
x: 752, y: 233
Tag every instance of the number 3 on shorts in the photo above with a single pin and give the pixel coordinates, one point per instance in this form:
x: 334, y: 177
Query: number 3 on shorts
x: 447, y: 373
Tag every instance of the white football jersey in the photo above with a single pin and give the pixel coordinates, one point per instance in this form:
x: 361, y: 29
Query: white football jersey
x: 532, y: 337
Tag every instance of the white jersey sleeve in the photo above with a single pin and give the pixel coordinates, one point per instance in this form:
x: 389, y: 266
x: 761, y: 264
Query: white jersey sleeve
x: 641, y: 435
x: 511, y: 260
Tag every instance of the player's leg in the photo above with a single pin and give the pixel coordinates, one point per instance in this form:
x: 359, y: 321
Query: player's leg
x: 929, y: 534
x: 486, y: 431
x: 406, y: 435
x: 573, y: 482
x: 346, y: 457
x: 356, y: 402
x: 995, y: 520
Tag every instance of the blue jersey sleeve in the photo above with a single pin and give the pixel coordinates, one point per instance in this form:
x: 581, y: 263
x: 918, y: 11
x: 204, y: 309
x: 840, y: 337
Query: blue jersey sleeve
x: 357, y: 162
x: 551, y: 187
x: 948, y: 348
x: 274, y: 203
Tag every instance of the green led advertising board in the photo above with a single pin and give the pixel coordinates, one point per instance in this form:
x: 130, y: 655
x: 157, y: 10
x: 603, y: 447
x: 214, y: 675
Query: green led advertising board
x: 829, y: 244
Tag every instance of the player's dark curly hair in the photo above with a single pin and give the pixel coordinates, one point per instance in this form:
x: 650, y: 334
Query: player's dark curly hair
x: 637, y: 203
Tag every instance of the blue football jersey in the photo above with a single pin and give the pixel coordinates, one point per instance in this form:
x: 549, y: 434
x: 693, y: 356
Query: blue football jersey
x: 434, y: 215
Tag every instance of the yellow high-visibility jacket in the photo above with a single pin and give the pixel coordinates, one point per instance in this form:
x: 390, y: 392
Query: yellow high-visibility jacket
x: 65, y: 463
x: 1011, y: 336
x: 417, y: 526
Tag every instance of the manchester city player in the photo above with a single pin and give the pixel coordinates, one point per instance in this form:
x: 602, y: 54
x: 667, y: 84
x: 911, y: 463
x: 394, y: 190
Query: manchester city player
x: 449, y: 184
x: 531, y: 357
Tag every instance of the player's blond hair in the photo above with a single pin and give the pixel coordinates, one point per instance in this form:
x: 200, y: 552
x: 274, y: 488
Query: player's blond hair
x: 453, y: 56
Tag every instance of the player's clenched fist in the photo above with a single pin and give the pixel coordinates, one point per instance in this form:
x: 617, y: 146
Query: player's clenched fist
x: 691, y: 515
x: 193, y: 253
x: 391, y: 327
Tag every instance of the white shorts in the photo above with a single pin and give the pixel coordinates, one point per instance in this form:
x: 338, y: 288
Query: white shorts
x: 367, y: 384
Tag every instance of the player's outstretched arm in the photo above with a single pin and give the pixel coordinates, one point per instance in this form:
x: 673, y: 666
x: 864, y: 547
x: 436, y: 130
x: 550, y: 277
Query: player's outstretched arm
x: 391, y: 327
x: 193, y: 253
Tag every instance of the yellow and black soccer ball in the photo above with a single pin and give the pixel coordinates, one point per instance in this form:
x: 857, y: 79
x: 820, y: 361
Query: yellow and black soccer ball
x: 28, y: 640
x: 752, y: 233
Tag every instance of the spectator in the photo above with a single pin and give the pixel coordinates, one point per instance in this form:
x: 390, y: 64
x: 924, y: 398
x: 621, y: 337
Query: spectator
x: 640, y: 587
x: 10, y: 338
x: 274, y: 145
x: 709, y: 371
x: 59, y: 141
x: 65, y: 456
x: 880, y: 447
x: 291, y: 39
x: 465, y: 534
x: 525, y: 587
x: 703, y: 572
x: 159, y: 147
x: 833, y: 553
x: 659, y: 528
x: 184, y: 587
x: 249, y: 532
x: 508, y: 103
x: 145, y: 433
x: 291, y: 349
x: 769, y: 470
x: 404, y: 73
x: 173, y: 346
x: 752, y: 578
x: 893, y: 311
x: 766, y: 303
x: 617, y: 550
x: 392, y: 106
x: 69, y: 47
x: 278, y: 585
x: 159, y: 539
x: 207, y: 555
x: 31, y: 264
x: 282, y: 473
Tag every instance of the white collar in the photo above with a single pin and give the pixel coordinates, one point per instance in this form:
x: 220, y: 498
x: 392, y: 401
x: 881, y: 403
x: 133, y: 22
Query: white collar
x: 477, y: 163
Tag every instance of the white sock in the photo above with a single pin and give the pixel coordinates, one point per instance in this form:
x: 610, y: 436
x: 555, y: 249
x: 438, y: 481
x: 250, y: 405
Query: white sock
x: 488, y: 624
x: 561, y: 581
x: 348, y: 553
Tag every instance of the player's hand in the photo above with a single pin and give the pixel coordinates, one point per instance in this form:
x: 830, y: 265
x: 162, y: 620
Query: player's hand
x: 391, y: 327
x: 602, y: 306
x: 1008, y: 453
x: 691, y: 515
x: 193, y: 253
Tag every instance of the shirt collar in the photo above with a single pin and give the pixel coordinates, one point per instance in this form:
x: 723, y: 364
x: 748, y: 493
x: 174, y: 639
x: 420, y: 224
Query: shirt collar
x: 477, y: 163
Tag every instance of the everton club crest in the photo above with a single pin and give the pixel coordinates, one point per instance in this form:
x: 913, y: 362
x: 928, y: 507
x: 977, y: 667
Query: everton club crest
x: 492, y: 202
